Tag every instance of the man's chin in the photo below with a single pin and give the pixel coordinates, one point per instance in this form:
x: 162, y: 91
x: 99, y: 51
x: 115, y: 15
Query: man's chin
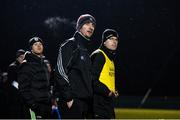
x: 38, y: 53
x: 89, y: 35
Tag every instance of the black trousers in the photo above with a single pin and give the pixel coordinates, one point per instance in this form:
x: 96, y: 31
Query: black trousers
x: 80, y: 109
x: 44, y: 112
x: 103, y: 107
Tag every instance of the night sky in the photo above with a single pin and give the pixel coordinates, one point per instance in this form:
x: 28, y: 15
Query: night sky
x: 149, y: 47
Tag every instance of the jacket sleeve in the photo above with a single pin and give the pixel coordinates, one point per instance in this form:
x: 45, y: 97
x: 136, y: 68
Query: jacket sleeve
x: 12, y: 73
x: 63, y: 84
x: 24, y: 80
x: 98, y: 62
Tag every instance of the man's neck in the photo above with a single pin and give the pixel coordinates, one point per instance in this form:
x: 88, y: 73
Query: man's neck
x: 39, y: 55
x: 88, y: 39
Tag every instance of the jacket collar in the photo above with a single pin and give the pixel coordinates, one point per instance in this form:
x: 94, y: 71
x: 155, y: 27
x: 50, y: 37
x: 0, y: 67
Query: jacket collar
x: 30, y: 57
x: 109, y: 53
x: 82, y: 41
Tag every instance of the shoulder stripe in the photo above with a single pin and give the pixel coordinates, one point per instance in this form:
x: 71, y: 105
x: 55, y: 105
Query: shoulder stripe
x: 60, y: 66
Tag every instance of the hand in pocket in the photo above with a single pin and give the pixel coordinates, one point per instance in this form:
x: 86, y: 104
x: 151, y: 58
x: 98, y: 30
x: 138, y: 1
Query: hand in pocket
x: 70, y: 103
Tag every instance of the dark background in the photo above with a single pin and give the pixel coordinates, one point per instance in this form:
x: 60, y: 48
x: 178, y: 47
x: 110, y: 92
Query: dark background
x: 149, y: 46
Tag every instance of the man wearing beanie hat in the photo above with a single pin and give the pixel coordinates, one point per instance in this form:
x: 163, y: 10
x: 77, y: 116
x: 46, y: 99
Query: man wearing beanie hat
x: 13, y: 67
x: 33, y: 80
x: 73, y: 71
x: 34, y: 40
x: 104, y: 75
x: 13, y: 98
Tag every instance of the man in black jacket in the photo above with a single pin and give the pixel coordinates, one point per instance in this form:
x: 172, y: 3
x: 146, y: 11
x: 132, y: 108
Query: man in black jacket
x: 73, y: 71
x: 104, y: 76
x: 13, y: 67
x: 33, y: 78
x: 11, y: 86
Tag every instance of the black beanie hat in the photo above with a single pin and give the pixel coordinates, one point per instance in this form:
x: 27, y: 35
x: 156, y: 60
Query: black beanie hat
x: 20, y: 52
x: 84, y: 19
x: 33, y: 40
x: 109, y: 33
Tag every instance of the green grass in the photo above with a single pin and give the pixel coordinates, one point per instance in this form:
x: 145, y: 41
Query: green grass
x: 128, y: 113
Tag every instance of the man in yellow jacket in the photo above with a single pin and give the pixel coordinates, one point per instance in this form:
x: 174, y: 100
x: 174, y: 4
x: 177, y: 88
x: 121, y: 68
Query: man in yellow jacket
x: 104, y: 75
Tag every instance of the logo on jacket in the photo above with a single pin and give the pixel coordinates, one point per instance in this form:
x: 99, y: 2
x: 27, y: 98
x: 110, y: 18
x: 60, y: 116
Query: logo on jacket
x: 82, y: 57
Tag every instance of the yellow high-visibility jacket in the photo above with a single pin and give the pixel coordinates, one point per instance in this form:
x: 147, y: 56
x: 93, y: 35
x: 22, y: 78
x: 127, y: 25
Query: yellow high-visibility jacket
x: 107, y: 75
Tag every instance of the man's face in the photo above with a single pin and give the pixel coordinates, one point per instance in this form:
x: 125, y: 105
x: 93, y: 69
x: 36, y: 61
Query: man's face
x: 87, y: 29
x: 20, y: 58
x: 111, y: 43
x: 37, y: 48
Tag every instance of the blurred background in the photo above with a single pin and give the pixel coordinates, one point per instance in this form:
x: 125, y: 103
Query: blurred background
x: 147, y: 60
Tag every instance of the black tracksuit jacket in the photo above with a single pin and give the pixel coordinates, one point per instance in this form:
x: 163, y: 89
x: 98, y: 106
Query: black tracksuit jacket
x: 73, y: 70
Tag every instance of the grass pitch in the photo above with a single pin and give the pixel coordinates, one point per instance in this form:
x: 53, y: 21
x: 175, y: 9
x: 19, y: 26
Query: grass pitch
x: 128, y: 113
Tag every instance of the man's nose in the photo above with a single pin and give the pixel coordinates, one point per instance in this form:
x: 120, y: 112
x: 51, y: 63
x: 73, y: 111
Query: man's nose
x: 92, y: 27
